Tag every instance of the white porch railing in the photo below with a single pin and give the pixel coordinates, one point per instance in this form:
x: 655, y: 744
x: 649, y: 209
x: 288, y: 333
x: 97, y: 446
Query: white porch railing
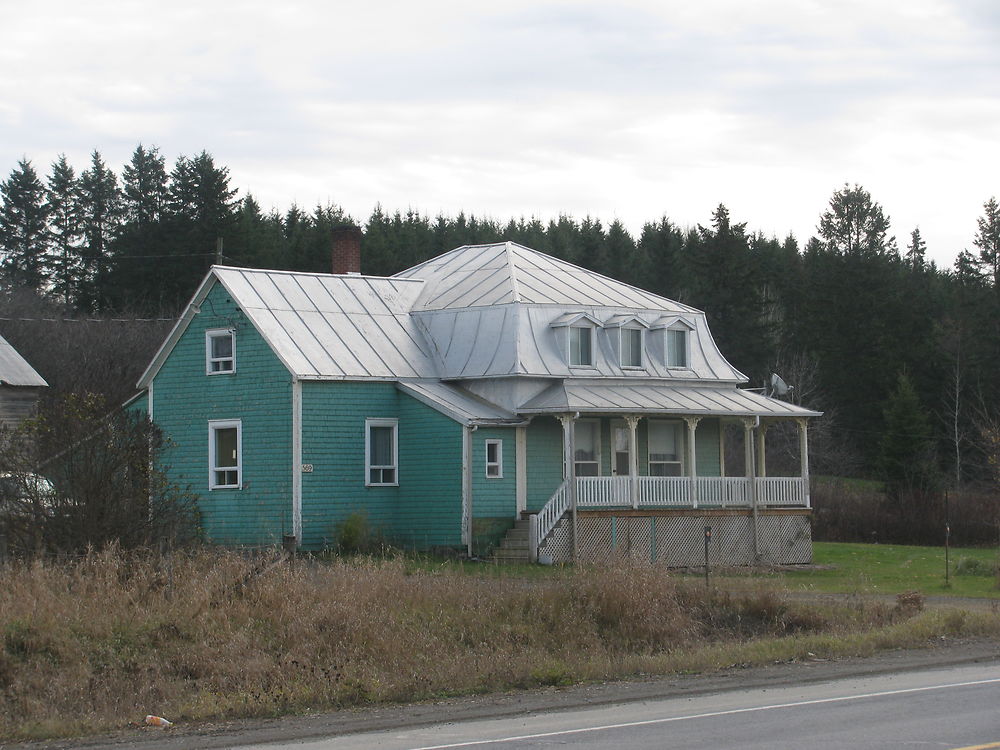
x: 602, y: 492
x: 787, y: 491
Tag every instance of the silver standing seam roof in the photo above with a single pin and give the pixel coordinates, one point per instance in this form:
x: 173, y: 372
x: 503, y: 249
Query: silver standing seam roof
x: 15, y: 370
x: 482, y: 312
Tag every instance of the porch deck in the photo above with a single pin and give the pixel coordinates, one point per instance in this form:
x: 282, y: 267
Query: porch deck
x: 645, y: 492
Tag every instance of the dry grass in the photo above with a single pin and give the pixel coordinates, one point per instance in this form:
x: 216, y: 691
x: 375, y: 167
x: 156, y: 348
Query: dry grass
x: 93, y: 644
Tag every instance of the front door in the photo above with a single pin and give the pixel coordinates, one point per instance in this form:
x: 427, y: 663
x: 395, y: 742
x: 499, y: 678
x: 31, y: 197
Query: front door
x: 620, y: 447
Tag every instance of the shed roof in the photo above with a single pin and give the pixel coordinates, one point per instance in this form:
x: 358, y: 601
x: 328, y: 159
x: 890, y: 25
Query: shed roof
x: 458, y: 403
x: 661, y: 398
x: 15, y: 370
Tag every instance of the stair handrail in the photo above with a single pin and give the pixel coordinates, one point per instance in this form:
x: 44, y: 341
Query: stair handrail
x: 542, y: 522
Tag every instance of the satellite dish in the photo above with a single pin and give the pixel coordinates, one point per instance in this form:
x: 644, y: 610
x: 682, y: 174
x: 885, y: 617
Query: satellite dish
x: 778, y: 386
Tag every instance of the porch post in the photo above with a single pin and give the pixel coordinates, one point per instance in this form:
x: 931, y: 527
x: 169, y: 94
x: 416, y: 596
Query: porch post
x: 804, y: 457
x: 761, y: 450
x: 748, y: 451
x: 692, y: 425
x: 569, y: 471
x: 633, y: 460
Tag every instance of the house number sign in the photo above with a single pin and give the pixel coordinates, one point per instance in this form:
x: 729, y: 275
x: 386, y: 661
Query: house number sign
x: 307, y: 468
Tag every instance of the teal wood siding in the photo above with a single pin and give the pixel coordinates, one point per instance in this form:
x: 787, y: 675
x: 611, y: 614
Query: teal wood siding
x: 545, y: 460
x: 430, y: 494
x: 494, y: 500
x: 424, y: 510
x: 259, y: 393
x: 706, y: 445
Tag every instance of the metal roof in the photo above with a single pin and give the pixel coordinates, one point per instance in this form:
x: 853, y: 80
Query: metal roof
x: 631, y: 398
x: 519, y: 339
x: 457, y: 403
x: 505, y: 272
x: 15, y: 370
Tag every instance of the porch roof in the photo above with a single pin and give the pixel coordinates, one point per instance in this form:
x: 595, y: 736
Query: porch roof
x: 652, y: 398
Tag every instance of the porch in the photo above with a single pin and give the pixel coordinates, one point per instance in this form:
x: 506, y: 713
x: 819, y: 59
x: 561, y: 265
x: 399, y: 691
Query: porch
x: 654, y: 469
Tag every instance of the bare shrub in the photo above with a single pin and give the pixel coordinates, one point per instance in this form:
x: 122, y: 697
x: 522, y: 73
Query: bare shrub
x: 853, y: 511
x: 78, y: 477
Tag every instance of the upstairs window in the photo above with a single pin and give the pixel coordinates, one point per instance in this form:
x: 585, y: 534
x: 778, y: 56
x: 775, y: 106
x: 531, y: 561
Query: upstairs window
x: 581, y: 346
x: 631, y: 347
x: 381, y: 452
x: 677, y: 347
x: 665, y: 449
x: 494, y: 459
x: 220, y: 352
x: 225, y: 452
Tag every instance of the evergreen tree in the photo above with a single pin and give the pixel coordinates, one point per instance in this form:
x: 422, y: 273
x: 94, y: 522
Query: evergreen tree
x: 916, y: 250
x: 856, y: 225
x: 62, y: 200
x: 661, y: 245
x: 987, y: 242
x: 100, y: 212
x: 144, y: 187
x: 905, y: 457
x: 726, y: 284
x: 23, y: 232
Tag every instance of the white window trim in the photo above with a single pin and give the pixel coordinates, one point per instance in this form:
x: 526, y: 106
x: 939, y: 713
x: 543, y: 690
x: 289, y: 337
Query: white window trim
x: 379, y: 422
x: 680, y: 435
x: 687, y: 347
x: 498, y: 464
x: 209, y: 359
x: 569, y: 346
x: 225, y: 424
x: 597, y: 455
x: 621, y: 347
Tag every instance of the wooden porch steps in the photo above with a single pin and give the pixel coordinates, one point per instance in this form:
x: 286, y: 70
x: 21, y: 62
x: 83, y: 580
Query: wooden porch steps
x: 514, y: 546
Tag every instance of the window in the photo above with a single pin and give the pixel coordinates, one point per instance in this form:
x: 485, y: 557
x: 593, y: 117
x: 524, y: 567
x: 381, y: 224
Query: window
x: 677, y: 347
x: 581, y: 346
x: 587, y: 448
x: 631, y: 347
x: 665, y: 449
x: 494, y: 459
x: 220, y: 352
x: 381, y: 452
x: 225, y: 454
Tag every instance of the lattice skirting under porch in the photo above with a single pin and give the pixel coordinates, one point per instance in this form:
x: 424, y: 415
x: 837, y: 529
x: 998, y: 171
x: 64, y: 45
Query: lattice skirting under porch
x: 783, y: 537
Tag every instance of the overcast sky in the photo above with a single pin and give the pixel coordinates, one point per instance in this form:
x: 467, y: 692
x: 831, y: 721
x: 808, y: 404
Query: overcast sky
x: 632, y: 110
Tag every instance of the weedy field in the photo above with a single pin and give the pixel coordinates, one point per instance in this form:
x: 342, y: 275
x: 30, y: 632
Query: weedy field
x: 95, y: 643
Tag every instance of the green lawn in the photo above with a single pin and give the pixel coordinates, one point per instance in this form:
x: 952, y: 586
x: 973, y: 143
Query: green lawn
x: 892, y: 568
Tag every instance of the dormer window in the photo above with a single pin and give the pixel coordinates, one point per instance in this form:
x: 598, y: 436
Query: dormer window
x: 631, y: 347
x: 575, y: 333
x: 626, y: 331
x: 677, y: 346
x: 581, y: 346
x: 220, y: 352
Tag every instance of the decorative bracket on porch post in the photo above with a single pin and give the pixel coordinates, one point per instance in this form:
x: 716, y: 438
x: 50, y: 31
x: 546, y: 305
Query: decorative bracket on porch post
x: 632, y: 421
x: 692, y: 425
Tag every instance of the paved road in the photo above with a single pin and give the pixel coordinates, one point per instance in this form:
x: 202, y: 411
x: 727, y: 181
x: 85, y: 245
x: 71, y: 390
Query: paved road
x: 956, y: 707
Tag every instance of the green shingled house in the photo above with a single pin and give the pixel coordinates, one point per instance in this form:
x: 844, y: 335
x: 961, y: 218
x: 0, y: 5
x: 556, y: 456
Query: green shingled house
x: 490, y: 396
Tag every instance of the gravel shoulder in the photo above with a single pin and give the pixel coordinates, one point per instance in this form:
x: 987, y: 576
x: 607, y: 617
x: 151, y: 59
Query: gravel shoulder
x: 941, y: 653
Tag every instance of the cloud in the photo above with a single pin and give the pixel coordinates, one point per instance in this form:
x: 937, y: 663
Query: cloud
x: 528, y: 107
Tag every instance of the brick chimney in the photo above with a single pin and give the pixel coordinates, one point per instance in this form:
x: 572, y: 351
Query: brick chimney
x: 346, y: 249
